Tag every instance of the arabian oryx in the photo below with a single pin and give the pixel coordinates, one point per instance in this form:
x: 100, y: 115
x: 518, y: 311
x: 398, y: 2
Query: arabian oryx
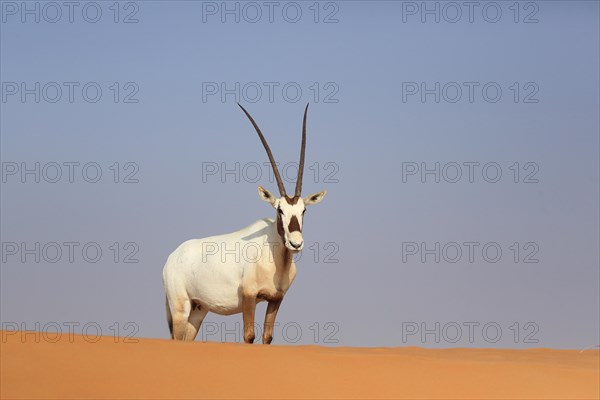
x: 202, y: 275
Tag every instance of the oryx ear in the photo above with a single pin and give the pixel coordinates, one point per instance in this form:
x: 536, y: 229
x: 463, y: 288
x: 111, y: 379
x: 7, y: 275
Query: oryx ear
x: 314, y: 198
x: 266, y: 195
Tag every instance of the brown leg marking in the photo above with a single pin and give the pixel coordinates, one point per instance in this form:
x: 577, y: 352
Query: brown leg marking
x: 249, y: 306
x: 270, y: 315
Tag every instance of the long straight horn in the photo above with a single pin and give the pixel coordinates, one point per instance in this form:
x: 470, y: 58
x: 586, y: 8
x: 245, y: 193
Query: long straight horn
x: 266, y: 145
x: 301, y: 164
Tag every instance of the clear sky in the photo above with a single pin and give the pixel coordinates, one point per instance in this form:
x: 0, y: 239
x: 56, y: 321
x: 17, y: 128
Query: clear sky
x: 397, y: 89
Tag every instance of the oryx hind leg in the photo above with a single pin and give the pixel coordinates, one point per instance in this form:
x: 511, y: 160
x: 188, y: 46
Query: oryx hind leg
x: 180, y: 312
x: 169, y: 317
x: 195, y: 319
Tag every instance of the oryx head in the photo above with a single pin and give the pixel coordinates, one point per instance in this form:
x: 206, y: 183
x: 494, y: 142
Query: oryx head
x: 290, y: 210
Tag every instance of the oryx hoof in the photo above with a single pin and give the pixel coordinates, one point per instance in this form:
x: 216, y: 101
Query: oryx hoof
x: 267, y: 339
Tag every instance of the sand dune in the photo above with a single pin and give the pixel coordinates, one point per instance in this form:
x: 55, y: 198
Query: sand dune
x: 153, y: 368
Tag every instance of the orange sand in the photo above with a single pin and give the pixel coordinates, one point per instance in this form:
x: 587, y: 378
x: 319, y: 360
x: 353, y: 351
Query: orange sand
x: 154, y: 368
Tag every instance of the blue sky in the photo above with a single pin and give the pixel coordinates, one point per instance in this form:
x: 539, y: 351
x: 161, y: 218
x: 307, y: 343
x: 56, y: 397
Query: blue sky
x: 364, y: 127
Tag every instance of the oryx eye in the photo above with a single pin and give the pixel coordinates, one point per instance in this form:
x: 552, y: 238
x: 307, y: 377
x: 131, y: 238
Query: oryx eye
x: 280, y: 211
x: 303, y: 211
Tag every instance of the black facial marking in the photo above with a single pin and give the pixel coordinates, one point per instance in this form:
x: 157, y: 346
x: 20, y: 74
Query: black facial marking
x: 294, y: 224
x: 280, y: 229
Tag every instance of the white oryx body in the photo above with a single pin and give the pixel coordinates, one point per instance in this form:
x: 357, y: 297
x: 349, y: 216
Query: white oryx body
x: 214, y: 271
x: 228, y: 274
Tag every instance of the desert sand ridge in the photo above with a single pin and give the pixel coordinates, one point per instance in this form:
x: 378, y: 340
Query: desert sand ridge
x: 159, y: 368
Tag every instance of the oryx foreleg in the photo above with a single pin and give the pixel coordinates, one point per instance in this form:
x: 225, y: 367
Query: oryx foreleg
x: 249, y: 306
x: 270, y: 316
